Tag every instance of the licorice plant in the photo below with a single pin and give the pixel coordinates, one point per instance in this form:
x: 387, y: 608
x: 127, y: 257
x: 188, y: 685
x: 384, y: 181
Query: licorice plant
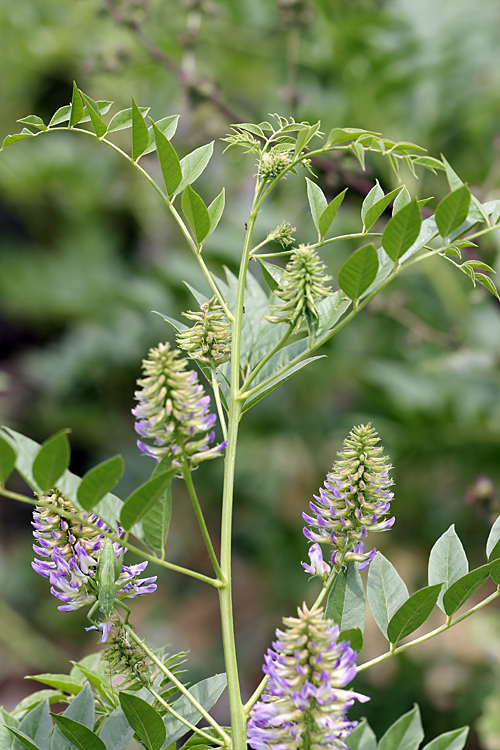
x: 248, y: 335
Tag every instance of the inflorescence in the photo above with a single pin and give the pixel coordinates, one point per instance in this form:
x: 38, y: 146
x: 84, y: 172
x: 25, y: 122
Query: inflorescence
x: 209, y: 340
x: 354, y: 500
x: 304, y: 704
x: 173, y: 410
x: 70, y: 552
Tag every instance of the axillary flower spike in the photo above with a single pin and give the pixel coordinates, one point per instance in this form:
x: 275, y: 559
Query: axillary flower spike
x: 173, y: 410
x: 304, y: 704
x: 354, y: 500
x: 70, y: 552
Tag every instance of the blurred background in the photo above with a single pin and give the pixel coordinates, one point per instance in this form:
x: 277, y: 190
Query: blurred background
x: 87, y: 251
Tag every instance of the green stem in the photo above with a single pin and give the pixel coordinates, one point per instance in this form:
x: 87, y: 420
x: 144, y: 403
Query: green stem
x: 175, y: 681
x: 252, y: 375
x: 220, y: 411
x: 187, y: 723
x: 447, y: 625
x: 186, y: 473
x: 108, y: 535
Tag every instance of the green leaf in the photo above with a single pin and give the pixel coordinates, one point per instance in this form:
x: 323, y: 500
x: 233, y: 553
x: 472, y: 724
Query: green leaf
x: 346, y: 603
x: 405, y: 734
x: 196, y: 213
x: 52, y: 460
x: 386, y: 591
x: 193, y: 165
x: 169, y: 161
x: 76, y: 113
x: 402, y: 231
x: 359, y: 153
x: 362, y: 737
x: 375, y: 194
x: 341, y: 135
x: 31, y: 701
x: 488, y: 283
x: 7, y: 460
x: 447, y: 562
x: 116, y: 732
x: 78, y: 734
x: 401, y: 200
x: 272, y: 274
x: 144, y: 498
x: 377, y: 209
x: 329, y: 213
x: 413, y: 613
x: 462, y: 589
x: 259, y: 395
x: 10, y: 139
x: 354, y: 636
x: 207, y: 693
x: 215, y: 210
x: 37, y: 725
x: 359, y: 272
x: 156, y: 522
x: 82, y: 710
x: 144, y: 720
x: 140, y: 134
x: 167, y: 126
x: 99, y: 480
x: 93, y: 110
x: 26, y: 741
x: 61, y: 115
x: 452, y: 211
x: 317, y: 202
x: 33, y: 120
x: 493, y: 537
x: 454, y: 740
x: 123, y: 119
x: 61, y: 682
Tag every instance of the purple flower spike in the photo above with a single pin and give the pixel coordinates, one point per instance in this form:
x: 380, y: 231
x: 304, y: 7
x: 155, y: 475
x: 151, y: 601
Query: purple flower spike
x: 71, y: 552
x: 305, y: 702
x: 173, y: 410
x: 354, y: 500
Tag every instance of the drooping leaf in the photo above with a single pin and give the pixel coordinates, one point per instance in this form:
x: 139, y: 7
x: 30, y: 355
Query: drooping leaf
x: 52, y: 460
x: 140, y: 134
x: 156, y: 522
x: 78, y: 734
x: 169, y: 161
x: 413, y: 613
x: 144, y: 720
x: 462, y: 589
x: 346, y: 603
x: 99, y: 480
x: 402, y: 231
x: 447, y: 562
x: 98, y: 123
x: 359, y: 272
x: 317, y: 202
x: 329, y: 213
x: 452, y: 211
x: 454, y: 740
x: 123, y: 119
x: 405, y: 734
x: 7, y: 460
x: 144, y: 498
x: 207, y: 693
x: 116, y: 732
x: 76, y: 113
x: 194, y: 164
x: 196, y: 213
x: 386, y: 591
x: 362, y: 737
x: 10, y: 139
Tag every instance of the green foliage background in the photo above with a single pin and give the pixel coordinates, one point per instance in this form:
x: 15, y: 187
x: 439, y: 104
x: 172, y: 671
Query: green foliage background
x: 87, y: 252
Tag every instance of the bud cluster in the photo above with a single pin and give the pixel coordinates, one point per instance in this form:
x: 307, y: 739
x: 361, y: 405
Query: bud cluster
x: 302, y: 285
x: 272, y: 164
x: 173, y: 410
x: 354, y: 499
x: 304, y: 704
x: 209, y: 340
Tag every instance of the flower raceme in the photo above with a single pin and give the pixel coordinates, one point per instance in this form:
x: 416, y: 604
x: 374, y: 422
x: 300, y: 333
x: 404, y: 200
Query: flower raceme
x: 70, y: 552
x: 354, y: 500
x: 173, y: 410
x: 305, y: 702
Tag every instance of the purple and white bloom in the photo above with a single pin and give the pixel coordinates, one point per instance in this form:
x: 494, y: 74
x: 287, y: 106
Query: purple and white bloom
x: 304, y: 703
x: 318, y: 566
x: 354, y: 500
x: 173, y: 410
x: 70, y: 552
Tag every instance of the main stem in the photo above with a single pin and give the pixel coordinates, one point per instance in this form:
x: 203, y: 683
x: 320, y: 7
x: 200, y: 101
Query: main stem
x: 237, y: 712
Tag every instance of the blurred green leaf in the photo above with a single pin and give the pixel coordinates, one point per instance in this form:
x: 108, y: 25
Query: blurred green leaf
x: 405, y: 734
x: 454, y: 740
x: 362, y: 737
x: 7, y: 460
x: 76, y: 112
